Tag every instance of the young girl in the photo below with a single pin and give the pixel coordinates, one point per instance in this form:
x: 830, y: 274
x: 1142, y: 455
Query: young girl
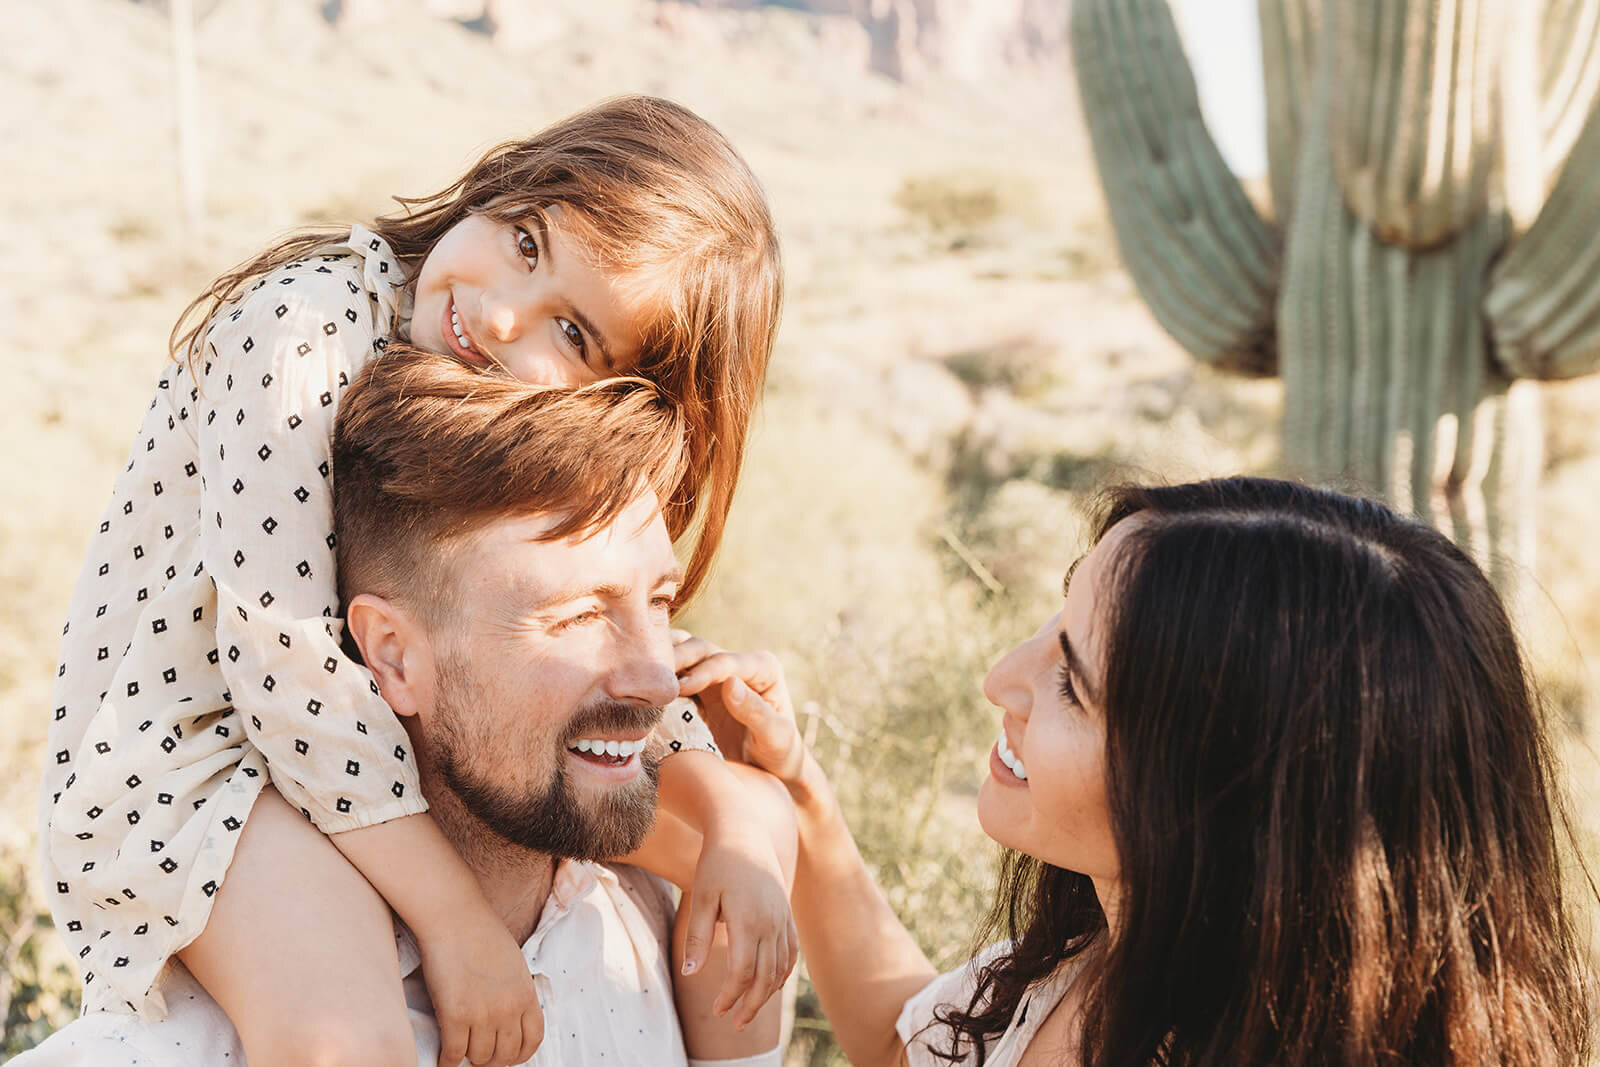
x: 203, y: 659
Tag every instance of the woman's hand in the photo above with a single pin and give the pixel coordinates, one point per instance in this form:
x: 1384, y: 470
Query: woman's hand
x: 743, y: 693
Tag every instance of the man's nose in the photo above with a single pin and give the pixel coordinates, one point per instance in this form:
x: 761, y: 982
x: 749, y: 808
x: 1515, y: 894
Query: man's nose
x: 643, y: 673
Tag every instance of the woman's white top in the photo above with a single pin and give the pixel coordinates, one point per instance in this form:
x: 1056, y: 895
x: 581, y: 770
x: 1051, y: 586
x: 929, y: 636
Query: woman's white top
x: 922, y: 1032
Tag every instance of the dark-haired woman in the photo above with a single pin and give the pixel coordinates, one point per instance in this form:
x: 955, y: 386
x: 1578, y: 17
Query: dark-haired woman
x: 1274, y: 788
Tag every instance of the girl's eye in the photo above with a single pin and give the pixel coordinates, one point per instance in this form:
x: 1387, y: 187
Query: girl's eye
x: 663, y: 602
x: 574, y: 336
x: 527, y: 247
x: 1069, y: 693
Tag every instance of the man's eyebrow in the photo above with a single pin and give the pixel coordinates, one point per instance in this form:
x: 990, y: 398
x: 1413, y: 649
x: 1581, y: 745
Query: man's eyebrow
x: 578, y: 316
x: 576, y: 590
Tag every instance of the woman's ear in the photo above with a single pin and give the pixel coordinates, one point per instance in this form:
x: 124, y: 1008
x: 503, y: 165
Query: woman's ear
x: 395, y: 647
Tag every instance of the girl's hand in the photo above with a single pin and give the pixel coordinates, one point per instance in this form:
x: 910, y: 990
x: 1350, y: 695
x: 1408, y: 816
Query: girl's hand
x: 739, y: 883
x: 483, y: 996
x: 744, y: 691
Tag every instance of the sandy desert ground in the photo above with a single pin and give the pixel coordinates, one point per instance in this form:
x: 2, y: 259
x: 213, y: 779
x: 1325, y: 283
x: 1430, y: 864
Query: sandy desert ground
x: 961, y: 358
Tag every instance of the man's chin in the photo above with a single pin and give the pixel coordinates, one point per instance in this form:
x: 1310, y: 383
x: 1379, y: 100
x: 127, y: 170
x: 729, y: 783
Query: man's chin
x: 575, y: 816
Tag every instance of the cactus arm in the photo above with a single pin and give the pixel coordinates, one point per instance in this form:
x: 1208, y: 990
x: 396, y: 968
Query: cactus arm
x: 1416, y: 112
x: 1201, y: 256
x: 1543, y: 302
x: 1569, y: 47
x: 1290, y: 30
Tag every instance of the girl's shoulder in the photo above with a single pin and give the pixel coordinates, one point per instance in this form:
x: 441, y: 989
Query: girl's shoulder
x: 355, y: 284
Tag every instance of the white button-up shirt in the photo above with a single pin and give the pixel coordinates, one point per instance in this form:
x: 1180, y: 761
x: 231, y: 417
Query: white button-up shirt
x: 599, y: 956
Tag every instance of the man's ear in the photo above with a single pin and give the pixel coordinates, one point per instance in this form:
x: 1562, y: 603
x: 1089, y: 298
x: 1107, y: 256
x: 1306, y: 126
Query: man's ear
x: 395, y: 647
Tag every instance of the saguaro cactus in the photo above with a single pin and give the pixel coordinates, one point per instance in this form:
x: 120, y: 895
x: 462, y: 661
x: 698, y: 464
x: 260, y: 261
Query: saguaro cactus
x: 1434, y: 168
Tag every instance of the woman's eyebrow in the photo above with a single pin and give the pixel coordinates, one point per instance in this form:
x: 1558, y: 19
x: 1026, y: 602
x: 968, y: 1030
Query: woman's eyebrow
x: 1078, y: 668
x: 1067, y: 578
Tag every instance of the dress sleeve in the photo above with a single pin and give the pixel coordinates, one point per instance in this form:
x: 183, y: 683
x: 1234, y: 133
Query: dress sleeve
x: 683, y: 729
x: 920, y: 1031
x: 274, y: 367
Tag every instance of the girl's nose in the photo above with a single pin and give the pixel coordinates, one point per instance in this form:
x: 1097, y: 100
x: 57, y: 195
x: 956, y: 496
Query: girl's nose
x: 500, y: 318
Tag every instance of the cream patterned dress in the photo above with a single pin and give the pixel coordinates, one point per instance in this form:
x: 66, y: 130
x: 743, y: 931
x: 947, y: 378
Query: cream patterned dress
x: 203, y: 642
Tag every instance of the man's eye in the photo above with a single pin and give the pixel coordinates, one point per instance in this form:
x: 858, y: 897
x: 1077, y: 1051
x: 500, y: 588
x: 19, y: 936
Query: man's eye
x: 578, y: 620
x: 528, y: 247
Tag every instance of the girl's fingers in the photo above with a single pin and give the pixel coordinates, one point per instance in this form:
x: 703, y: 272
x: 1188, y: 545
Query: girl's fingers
x: 452, y: 1046
x: 480, y: 1045
x: 508, y: 1043
x: 532, y: 1034
x: 742, y: 957
x: 761, y: 986
x: 698, y: 931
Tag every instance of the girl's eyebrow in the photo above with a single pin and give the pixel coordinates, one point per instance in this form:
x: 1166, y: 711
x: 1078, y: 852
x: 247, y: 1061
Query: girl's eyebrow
x: 579, y: 317
x: 589, y: 328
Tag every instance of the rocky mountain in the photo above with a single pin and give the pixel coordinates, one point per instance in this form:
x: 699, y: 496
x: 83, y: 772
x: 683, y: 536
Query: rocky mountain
x: 907, y: 40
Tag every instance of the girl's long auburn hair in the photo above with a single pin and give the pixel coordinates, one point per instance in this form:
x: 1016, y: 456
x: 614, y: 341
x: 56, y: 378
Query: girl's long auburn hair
x: 1333, y: 799
x: 651, y: 190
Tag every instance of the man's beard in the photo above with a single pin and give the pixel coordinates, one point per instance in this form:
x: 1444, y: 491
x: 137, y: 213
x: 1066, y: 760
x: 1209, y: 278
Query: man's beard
x: 553, y: 820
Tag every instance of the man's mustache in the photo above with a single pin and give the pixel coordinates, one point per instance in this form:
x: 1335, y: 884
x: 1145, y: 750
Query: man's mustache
x: 611, y: 716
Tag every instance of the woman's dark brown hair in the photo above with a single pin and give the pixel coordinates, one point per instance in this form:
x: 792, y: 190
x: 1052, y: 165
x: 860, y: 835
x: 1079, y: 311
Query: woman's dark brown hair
x: 1332, y: 797
x: 654, y: 192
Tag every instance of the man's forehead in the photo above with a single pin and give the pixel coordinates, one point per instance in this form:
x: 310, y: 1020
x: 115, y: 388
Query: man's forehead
x: 632, y: 548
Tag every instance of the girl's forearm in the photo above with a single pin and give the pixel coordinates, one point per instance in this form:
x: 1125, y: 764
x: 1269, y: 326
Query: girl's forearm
x: 417, y: 870
x: 698, y: 788
x: 863, y: 961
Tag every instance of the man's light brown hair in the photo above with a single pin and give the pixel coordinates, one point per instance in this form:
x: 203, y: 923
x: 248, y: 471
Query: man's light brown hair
x: 428, y: 450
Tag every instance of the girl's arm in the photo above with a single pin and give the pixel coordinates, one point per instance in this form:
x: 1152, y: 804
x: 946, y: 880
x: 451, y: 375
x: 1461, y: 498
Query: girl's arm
x: 269, y: 380
x: 862, y: 960
x: 735, y: 874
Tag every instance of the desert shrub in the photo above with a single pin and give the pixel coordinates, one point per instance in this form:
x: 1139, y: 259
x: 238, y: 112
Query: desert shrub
x: 958, y: 207
x: 38, y: 989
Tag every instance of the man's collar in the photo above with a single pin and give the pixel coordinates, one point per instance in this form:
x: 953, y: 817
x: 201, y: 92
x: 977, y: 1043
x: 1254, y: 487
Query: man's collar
x: 572, y: 881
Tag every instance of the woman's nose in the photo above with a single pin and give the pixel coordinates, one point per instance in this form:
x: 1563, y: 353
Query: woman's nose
x: 1005, y: 685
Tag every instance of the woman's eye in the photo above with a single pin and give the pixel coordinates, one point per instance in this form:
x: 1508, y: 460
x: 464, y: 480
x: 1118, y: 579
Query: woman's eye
x: 1069, y: 693
x: 663, y: 603
x: 527, y: 247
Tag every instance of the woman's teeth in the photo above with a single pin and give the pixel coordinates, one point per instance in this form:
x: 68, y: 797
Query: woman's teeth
x: 455, y: 324
x: 623, y: 749
x: 1012, y: 761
